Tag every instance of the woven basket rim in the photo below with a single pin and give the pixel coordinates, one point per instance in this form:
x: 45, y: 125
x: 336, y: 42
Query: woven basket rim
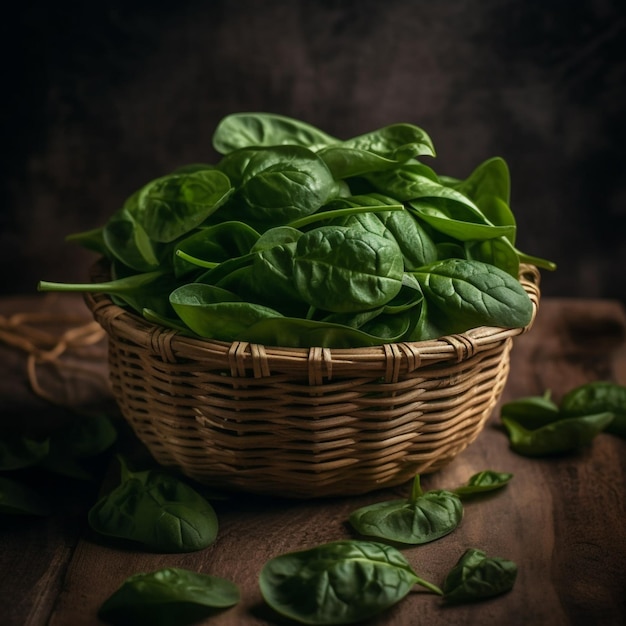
x: 120, y: 322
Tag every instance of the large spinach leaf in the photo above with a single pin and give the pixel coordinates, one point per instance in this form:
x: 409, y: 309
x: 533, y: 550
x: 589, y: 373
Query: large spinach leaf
x: 423, y: 517
x: 156, y: 510
x: 471, y: 293
x: 347, y: 269
x: 341, y: 582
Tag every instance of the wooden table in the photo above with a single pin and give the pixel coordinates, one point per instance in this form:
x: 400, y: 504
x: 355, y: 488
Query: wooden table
x: 562, y: 520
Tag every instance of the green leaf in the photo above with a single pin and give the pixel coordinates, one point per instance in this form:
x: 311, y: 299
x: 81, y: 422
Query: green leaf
x: 598, y: 397
x: 171, y: 206
x: 490, y: 179
x: 280, y: 184
x: 168, y: 597
x: 128, y: 242
x: 216, y: 244
x: 341, y: 582
x: 476, y: 577
x: 156, y: 510
x: 18, y: 499
x: 396, y: 141
x: 469, y: 293
x: 345, y: 162
x: 241, y: 130
x: 215, y: 313
x: 305, y: 333
x: 346, y: 270
x: 17, y: 452
x: 85, y: 436
x: 457, y: 219
x: 533, y: 411
x: 484, y: 481
x: 420, y: 519
x: 564, y: 435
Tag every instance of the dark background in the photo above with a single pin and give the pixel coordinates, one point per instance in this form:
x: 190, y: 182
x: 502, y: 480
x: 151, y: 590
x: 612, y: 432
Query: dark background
x: 99, y: 98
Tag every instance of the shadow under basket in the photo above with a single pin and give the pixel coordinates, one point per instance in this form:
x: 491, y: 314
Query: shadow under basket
x: 304, y: 422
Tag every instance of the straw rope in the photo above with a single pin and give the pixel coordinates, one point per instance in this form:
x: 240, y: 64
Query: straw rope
x: 28, y: 333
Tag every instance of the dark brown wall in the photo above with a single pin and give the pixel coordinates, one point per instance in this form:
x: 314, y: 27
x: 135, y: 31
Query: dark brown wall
x: 102, y: 97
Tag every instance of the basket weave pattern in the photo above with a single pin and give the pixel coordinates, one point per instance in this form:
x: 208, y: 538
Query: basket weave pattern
x: 302, y: 422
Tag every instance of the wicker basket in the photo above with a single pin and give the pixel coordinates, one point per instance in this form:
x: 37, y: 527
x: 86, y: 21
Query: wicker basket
x: 300, y: 422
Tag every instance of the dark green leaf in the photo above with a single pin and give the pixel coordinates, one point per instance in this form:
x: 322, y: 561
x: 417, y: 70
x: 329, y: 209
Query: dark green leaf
x: 564, y: 435
x: 487, y: 480
x: 598, y: 397
x: 215, y: 313
x: 476, y: 577
x: 471, y: 293
x: 532, y: 412
x: 242, y: 130
x: 346, y: 270
x: 168, y: 597
x: 18, y: 499
x: 169, y: 207
x: 156, y: 510
x: 422, y: 518
x: 17, y: 452
x: 342, y: 582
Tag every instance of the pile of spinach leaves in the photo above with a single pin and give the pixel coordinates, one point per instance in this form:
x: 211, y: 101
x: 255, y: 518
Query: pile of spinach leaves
x: 296, y: 238
x: 538, y: 426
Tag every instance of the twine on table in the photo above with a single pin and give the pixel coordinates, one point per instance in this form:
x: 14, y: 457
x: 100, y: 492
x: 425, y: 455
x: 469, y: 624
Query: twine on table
x: 26, y: 332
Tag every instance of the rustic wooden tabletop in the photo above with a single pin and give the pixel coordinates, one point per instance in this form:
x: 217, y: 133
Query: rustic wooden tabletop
x: 562, y: 520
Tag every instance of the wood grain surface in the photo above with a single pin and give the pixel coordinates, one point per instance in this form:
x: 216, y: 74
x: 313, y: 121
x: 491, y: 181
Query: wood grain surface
x: 560, y: 519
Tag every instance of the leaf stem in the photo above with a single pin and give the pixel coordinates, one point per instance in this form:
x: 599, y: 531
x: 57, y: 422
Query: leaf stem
x: 328, y: 215
x: 416, y: 490
x: 195, y: 260
x: 430, y: 586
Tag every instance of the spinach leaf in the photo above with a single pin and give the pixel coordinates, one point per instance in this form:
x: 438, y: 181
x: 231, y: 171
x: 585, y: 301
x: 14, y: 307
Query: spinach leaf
x: 533, y: 411
x: 307, y: 333
x: 563, y: 435
x: 416, y: 244
x: 168, y: 597
x: 470, y: 293
x: 345, y: 162
x: 216, y: 313
x: 487, y: 480
x: 498, y: 252
x: 17, y: 451
x: 345, y: 270
x: 18, y: 499
x: 341, y: 582
x: 477, y: 576
x: 491, y: 179
x: 146, y: 290
x: 280, y: 184
x: 128, y: 242
x: 171, y: 206
x: 242, y: 130
x: 423, y: 517
x: 214, y: 243
x: 409, y: 181
x: 271, y: 280
x: 597, y: 397
x: 84, y: 437
x: 397, y: 141
x: 156, y: 510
